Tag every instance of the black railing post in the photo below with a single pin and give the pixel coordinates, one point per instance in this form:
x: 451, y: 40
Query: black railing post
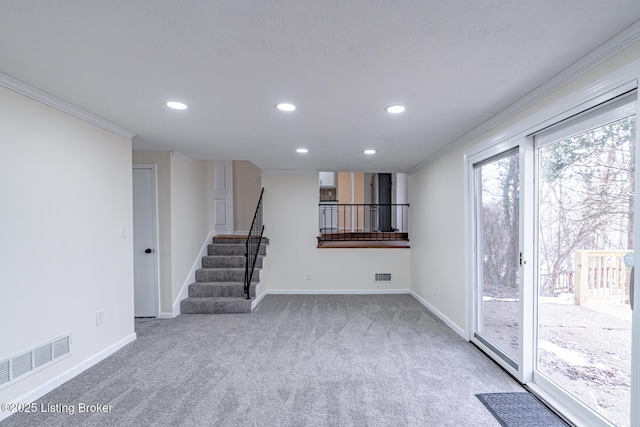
x: 251, y: 254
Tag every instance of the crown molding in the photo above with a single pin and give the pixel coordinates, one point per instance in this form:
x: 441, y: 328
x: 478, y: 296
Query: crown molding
x: 290, y: 172
x: 183, y: 157
x: 603, y: 52
x: 26, y: 90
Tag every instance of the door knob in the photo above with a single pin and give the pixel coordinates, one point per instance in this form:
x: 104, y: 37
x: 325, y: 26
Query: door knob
x: 148, y: 251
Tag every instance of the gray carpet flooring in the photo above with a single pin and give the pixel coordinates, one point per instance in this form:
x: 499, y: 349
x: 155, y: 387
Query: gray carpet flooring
x: 355, y: 360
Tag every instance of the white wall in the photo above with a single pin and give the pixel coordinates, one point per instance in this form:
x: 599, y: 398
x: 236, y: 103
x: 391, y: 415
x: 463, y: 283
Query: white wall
x: 436, y: 194
x: 191, y: 217
x: 436, y: 230
x: 291, y: 224
x: 65, y: 193
x: 247, y: 184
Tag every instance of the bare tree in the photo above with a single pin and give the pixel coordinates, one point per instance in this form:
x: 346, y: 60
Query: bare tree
x: 586, y: 190
x: 500, y: 222
x: 586, y: 196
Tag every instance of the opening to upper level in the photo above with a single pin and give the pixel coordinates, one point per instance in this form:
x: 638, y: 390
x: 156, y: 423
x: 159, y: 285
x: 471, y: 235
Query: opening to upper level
x: 361, y: 209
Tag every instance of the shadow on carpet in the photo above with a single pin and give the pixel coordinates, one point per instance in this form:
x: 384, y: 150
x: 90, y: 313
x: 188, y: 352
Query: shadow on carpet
x: 519, y: 410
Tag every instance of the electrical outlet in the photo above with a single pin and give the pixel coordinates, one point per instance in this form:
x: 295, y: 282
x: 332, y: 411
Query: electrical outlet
x: 308, y: 276
x: 123, y: 232
x: 435, y: 291
x: 99, y: 317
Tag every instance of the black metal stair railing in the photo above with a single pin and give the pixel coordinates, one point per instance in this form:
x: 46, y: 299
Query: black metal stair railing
x: 364, y: 221
x: 254, y: 239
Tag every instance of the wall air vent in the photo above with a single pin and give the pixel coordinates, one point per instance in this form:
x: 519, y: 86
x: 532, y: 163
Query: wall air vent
x: 27, y: 362
x: 382, y: 277
x: 43, y: 355
x: 61, y: 347
x: 5, y: 373
x: 21, y: 365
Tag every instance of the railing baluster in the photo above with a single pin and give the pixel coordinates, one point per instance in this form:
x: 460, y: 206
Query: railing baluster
x: 252, y: 247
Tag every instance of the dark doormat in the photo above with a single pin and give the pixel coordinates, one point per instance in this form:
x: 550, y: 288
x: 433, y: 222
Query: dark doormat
x: 519, y: 410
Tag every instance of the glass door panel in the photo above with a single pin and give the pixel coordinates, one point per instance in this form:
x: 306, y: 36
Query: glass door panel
x: 497, y: 323
x: 585, y: 198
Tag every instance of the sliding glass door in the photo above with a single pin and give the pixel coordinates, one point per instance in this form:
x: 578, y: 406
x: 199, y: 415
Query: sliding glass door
x: 497, y: 266
x: 552, y: 259
x: 585, y: 247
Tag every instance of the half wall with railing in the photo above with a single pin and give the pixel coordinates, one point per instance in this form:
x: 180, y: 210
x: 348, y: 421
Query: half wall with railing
x: 366, y: 223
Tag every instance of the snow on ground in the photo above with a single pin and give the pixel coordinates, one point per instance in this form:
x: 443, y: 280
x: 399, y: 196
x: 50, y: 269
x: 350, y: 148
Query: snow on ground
x: 572, y: 357
x: 584, y: 349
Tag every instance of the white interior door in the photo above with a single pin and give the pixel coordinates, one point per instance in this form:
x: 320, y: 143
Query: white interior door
x: 145, y: 281
x: 223, y: 196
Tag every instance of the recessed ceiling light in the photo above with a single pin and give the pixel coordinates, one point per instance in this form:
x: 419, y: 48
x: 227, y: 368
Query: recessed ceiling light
x: 285, y: 106
x: 369, y: 151
x: 302, y: 150
x: 176, y: 105
x: 395, y: 109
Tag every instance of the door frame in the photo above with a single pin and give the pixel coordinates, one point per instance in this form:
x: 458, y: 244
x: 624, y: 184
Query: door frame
x: 155, y: 236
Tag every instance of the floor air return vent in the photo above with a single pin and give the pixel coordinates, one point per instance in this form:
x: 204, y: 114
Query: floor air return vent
x: 383, y: 277
x: 20, y: 366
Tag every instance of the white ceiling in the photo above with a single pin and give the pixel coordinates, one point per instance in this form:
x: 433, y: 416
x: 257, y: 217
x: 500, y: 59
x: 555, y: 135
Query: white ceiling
x: 454, y: 64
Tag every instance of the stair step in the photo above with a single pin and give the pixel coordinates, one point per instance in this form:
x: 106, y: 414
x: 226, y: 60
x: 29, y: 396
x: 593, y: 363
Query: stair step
x: 215, y: 305
x: 232, y: 249
x: 232, y: 261
x: 224, y: 289
x: 235, y: 240
x: 219, y: 286
x: 224, y: 275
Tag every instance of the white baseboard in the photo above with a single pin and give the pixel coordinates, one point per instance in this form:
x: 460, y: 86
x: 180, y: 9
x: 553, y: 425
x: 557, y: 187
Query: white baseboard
x: 62, y: 378
x: 259, y: 296
x: 167, y: 315
x: 335, y: 291
x: 457, y: 329
x: 191, y: 278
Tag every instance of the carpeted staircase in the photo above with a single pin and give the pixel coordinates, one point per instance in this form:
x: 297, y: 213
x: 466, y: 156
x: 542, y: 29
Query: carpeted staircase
x: 219, y: 286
